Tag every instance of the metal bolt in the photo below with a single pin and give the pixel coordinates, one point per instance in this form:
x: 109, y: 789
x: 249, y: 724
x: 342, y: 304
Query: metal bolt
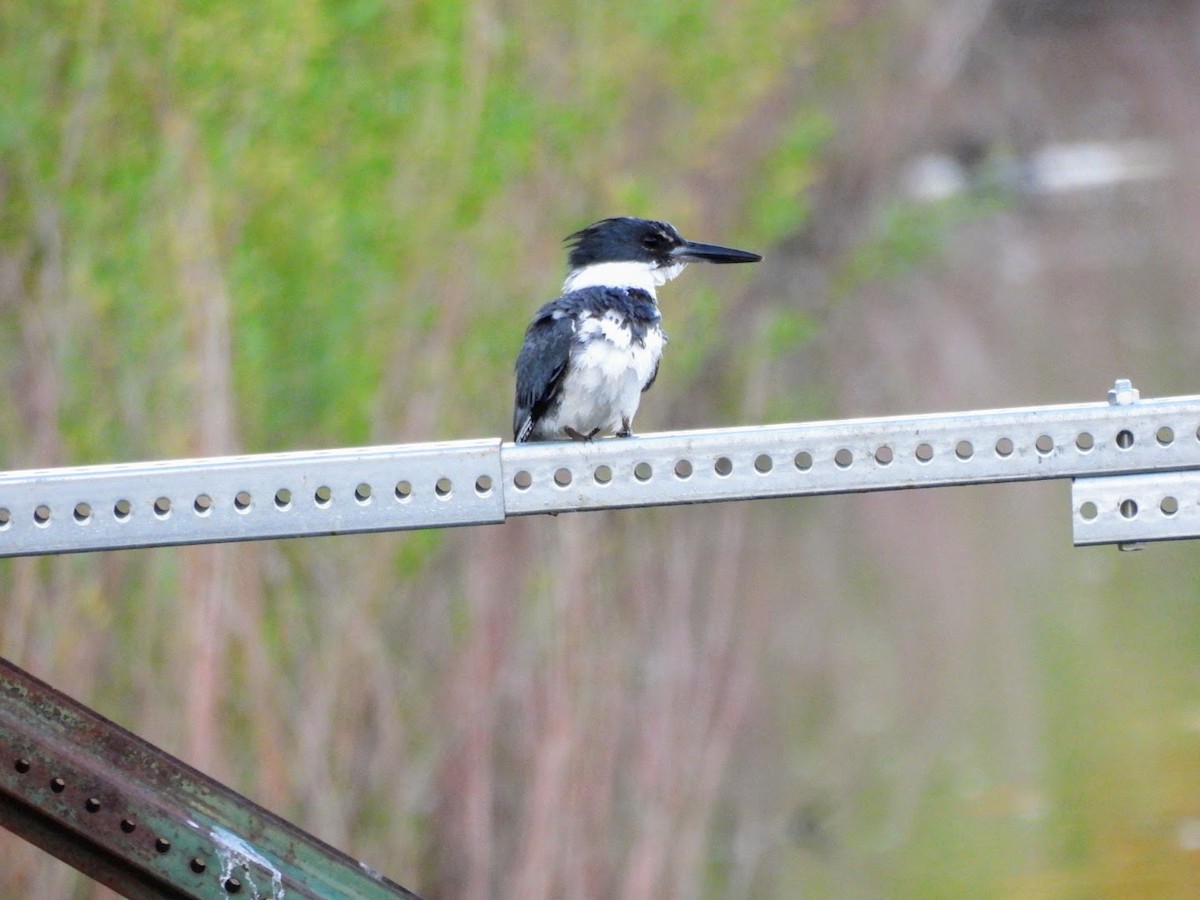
x: 1123, y: 393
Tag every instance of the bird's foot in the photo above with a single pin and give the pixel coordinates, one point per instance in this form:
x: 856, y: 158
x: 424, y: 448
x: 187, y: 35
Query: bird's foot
x: 626, y: 429
x: 580, y: 436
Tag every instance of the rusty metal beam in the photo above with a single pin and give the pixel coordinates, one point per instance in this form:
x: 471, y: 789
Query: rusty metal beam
x: 144, y: 823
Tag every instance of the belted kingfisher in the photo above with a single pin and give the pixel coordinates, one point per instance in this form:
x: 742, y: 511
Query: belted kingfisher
x: 589, y: 355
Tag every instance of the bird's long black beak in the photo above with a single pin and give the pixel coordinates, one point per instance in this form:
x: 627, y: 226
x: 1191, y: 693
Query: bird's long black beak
x: 690, y: 251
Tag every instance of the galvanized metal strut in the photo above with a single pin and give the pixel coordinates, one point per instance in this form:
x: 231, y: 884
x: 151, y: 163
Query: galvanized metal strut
x: 1135, y: 466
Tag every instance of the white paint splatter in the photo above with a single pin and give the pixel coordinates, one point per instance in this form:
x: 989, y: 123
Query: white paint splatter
x: 235, y: 854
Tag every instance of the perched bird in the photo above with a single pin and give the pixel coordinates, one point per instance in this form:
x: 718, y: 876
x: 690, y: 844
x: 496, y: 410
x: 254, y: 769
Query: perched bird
x: 589, y: 355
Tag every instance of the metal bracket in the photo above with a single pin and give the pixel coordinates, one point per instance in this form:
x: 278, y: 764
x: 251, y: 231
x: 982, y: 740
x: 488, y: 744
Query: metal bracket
x: 1132, y: 509
x: 485, y: 481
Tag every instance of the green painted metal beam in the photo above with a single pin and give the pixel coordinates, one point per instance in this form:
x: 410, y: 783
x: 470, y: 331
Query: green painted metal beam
x: 144, y: 823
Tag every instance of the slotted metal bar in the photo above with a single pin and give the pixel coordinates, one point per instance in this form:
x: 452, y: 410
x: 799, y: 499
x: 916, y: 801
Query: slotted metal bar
x: 1129, y: 509
x: 141, y: 821
x: 478, y: 482
x: 854, y: 455
x: 243, y: 498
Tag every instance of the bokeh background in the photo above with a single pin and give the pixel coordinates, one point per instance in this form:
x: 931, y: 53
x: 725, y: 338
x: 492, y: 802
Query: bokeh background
x: 265, y: 226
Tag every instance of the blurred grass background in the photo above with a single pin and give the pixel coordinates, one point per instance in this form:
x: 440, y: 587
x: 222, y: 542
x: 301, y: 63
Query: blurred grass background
x: 229, y: 227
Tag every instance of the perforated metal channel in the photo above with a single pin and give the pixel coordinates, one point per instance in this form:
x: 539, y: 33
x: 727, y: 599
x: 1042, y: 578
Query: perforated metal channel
x: 853, y: 455
x: 250, y: 497
x: 1131, y: 508
x: 477, y: 482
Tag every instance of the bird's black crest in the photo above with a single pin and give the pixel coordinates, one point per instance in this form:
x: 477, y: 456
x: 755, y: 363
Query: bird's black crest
x: 623, y: 238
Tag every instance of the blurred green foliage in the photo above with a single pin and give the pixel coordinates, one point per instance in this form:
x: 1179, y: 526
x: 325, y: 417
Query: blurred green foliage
x: 357, y: 157
x: 909, y: 233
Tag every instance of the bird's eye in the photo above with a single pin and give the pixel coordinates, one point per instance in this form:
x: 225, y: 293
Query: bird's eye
x: 654, y: 240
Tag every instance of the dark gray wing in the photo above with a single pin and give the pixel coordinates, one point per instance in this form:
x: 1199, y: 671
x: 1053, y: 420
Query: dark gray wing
x: 541, y: 365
